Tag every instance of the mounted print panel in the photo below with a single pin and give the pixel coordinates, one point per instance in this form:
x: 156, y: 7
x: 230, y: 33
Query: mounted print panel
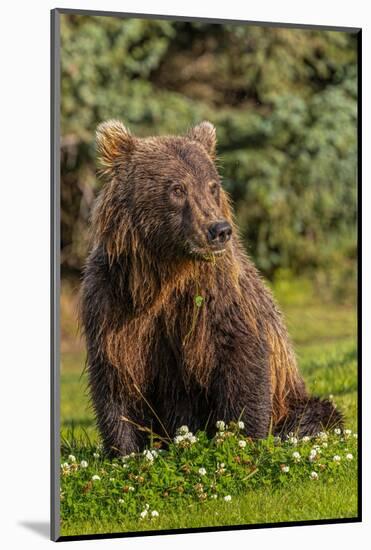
x: 205, y: 369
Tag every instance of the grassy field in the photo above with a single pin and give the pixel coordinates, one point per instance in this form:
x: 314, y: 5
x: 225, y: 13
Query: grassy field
x: 324, y: 334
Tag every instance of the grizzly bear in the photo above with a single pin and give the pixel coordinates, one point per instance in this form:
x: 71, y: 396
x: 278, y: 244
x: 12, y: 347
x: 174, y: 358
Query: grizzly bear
x: 180, y: 328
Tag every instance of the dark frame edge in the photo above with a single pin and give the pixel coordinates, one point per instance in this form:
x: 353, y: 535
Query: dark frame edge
x: 130, y: 534
x: 55, y: 272
x: 359, y: 267
x: 306, y: 26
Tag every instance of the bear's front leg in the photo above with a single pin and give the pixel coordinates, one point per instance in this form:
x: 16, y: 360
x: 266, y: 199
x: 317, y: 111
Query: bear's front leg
x: 120, y: 436
x: 241, y: 384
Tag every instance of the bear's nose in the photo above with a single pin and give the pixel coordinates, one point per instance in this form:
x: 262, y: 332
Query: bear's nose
x: 219, y: 232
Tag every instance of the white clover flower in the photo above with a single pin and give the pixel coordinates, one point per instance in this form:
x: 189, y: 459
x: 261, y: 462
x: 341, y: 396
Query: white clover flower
x: 242, y: 444
x: 314, y: 475
x: 71, y: 458
x: 154, y: 514
x: 336, y: 458
x: 202, y: 471
x: 285, y: 468
x: 96, y: 455
x: 220, y: 468
x: 296, y: 456
x: 125, y: 458
x: 312, y: 455
x: 121, y: 501
x: 317, y: 448
x: 95, y: 478
x: 241, y: 424
x: 143, y: 514
x: 65, y: 467
x: 293, y: 440
x: 323, y: 436
x: 227, y: 498
x: 349, y: 456
x: 220, y: 425
x: 183, y: 430
x: 178, y: 439
x: 83, y: 464
x: 148, y: 455
x: 347, y: 433
x: 154, y: 453
x: 337, y: 431
x: 189, y: 437
x: 305, y: 439
x: 131, y: 488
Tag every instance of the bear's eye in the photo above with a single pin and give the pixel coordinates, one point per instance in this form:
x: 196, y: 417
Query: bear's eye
x: 177, y: 191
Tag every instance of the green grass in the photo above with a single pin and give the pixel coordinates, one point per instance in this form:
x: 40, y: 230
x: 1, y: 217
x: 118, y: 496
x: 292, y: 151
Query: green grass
x: 324, y: 339
x: 309, y: 501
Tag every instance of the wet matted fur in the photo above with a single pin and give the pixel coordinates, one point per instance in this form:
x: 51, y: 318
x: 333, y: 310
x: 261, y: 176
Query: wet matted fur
x: 158, y: 356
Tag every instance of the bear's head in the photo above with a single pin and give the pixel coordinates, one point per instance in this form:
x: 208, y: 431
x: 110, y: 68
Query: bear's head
x: 162, y: 192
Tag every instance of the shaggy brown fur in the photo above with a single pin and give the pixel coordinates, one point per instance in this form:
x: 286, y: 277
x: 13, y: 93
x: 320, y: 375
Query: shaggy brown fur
x: 156, y: 356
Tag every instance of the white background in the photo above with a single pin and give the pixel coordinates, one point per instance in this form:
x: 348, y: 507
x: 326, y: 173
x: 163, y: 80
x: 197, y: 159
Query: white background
x: 24, y: 271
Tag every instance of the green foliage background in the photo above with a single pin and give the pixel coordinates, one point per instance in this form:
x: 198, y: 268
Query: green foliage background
x: 284, y: 105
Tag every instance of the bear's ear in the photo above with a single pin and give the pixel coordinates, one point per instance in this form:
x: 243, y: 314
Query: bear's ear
x: 205, y: 134
x: 114, y: 143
